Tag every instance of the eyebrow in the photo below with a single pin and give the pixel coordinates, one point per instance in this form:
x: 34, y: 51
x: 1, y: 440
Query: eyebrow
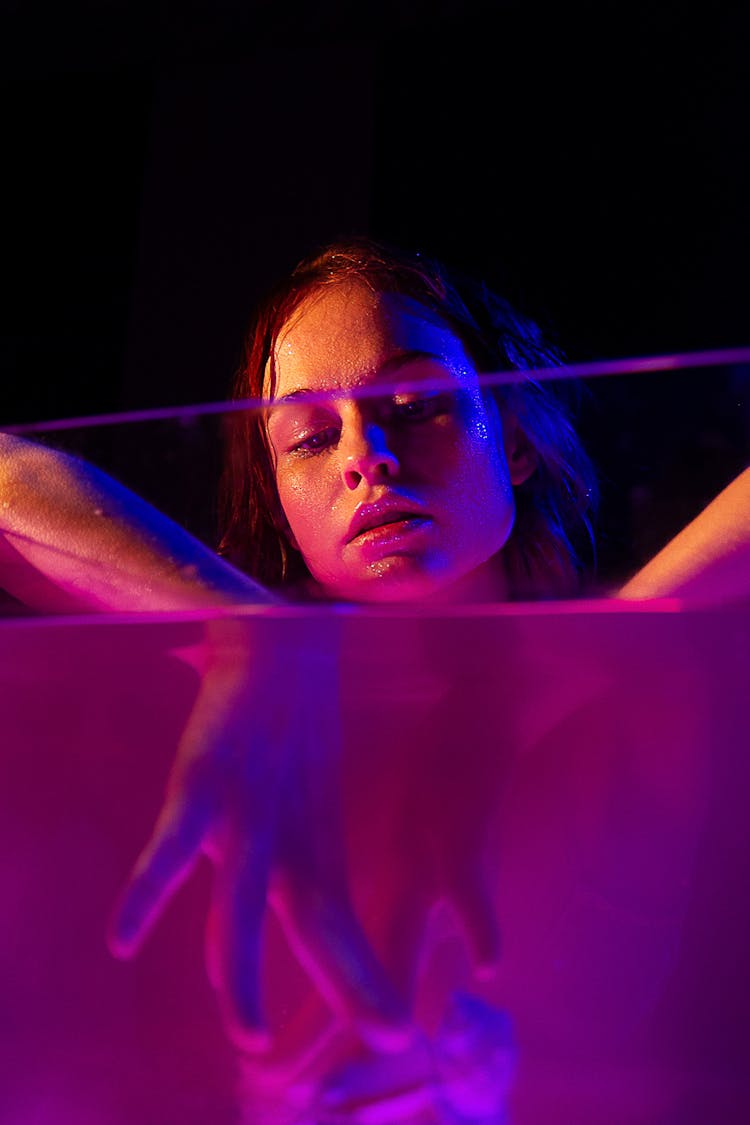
x: 395, y: 363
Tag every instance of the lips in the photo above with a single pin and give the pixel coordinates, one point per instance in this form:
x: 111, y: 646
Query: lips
x: 382, y: 514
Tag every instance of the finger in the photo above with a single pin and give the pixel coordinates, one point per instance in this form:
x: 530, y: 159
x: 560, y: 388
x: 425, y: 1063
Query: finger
x: 329, y: 941
x: 161, y: 868
x: 470, y: 894
x: 234, y: 933
x: 311, y: 892
x: 404, y: 939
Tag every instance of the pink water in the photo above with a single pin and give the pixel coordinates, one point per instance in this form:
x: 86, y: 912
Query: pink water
x: 607, y: 748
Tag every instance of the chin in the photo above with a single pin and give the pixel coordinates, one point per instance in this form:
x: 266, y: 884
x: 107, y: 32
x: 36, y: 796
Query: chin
x: 391, y: 580
x: 398, y: 579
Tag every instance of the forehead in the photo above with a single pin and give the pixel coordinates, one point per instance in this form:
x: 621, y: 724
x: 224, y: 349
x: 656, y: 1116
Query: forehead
x: 343, y: 336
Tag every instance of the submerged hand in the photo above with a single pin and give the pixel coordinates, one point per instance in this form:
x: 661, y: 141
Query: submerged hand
x: 255, y: 787
x: 420, y: 790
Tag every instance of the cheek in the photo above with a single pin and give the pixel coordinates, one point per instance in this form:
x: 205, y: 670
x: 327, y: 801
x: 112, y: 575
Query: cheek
x: 473, y: 464
x: 306, y: 503
x: 482, y: 493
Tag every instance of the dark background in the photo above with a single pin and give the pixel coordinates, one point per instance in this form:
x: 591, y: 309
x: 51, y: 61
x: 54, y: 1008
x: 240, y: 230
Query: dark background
x: 164, y: 163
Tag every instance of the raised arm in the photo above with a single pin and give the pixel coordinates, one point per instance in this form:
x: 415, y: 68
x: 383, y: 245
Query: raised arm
x: 709, y: 560
x: 72, y: 538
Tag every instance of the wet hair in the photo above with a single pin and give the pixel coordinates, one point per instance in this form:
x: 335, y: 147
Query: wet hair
x: 552, y: 527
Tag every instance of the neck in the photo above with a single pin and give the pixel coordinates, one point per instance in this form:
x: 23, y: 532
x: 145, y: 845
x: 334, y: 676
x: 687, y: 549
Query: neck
x: 488, y: 583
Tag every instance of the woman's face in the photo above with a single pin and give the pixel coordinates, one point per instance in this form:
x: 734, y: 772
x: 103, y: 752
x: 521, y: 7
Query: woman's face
x: 392, y: 497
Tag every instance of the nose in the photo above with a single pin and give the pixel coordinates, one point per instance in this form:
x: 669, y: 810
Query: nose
x: 368, y: 457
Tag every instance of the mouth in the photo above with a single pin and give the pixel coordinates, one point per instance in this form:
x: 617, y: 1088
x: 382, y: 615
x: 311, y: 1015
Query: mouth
x: 374, y: 522
x: 395, y: 528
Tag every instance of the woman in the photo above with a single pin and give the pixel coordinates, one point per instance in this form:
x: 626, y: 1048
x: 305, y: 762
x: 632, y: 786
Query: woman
x: 380, y: 471
x: 505, y: 464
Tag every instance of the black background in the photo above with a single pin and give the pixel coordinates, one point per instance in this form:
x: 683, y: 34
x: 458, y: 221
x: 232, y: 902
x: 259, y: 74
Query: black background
x: 164, y: 163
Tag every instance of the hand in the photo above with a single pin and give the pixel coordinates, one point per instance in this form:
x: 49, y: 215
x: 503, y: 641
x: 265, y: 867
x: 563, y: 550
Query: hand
x: 433, y: 774
x: 255, y: 787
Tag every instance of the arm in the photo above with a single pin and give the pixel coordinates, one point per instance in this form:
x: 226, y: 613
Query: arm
x: 709, y: 560
x: 72, y: 538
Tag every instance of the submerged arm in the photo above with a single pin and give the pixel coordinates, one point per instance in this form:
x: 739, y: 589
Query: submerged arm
x: 709, y: 560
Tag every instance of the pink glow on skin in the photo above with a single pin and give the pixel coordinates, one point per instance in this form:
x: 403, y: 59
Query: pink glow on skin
x: 396, y: 498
